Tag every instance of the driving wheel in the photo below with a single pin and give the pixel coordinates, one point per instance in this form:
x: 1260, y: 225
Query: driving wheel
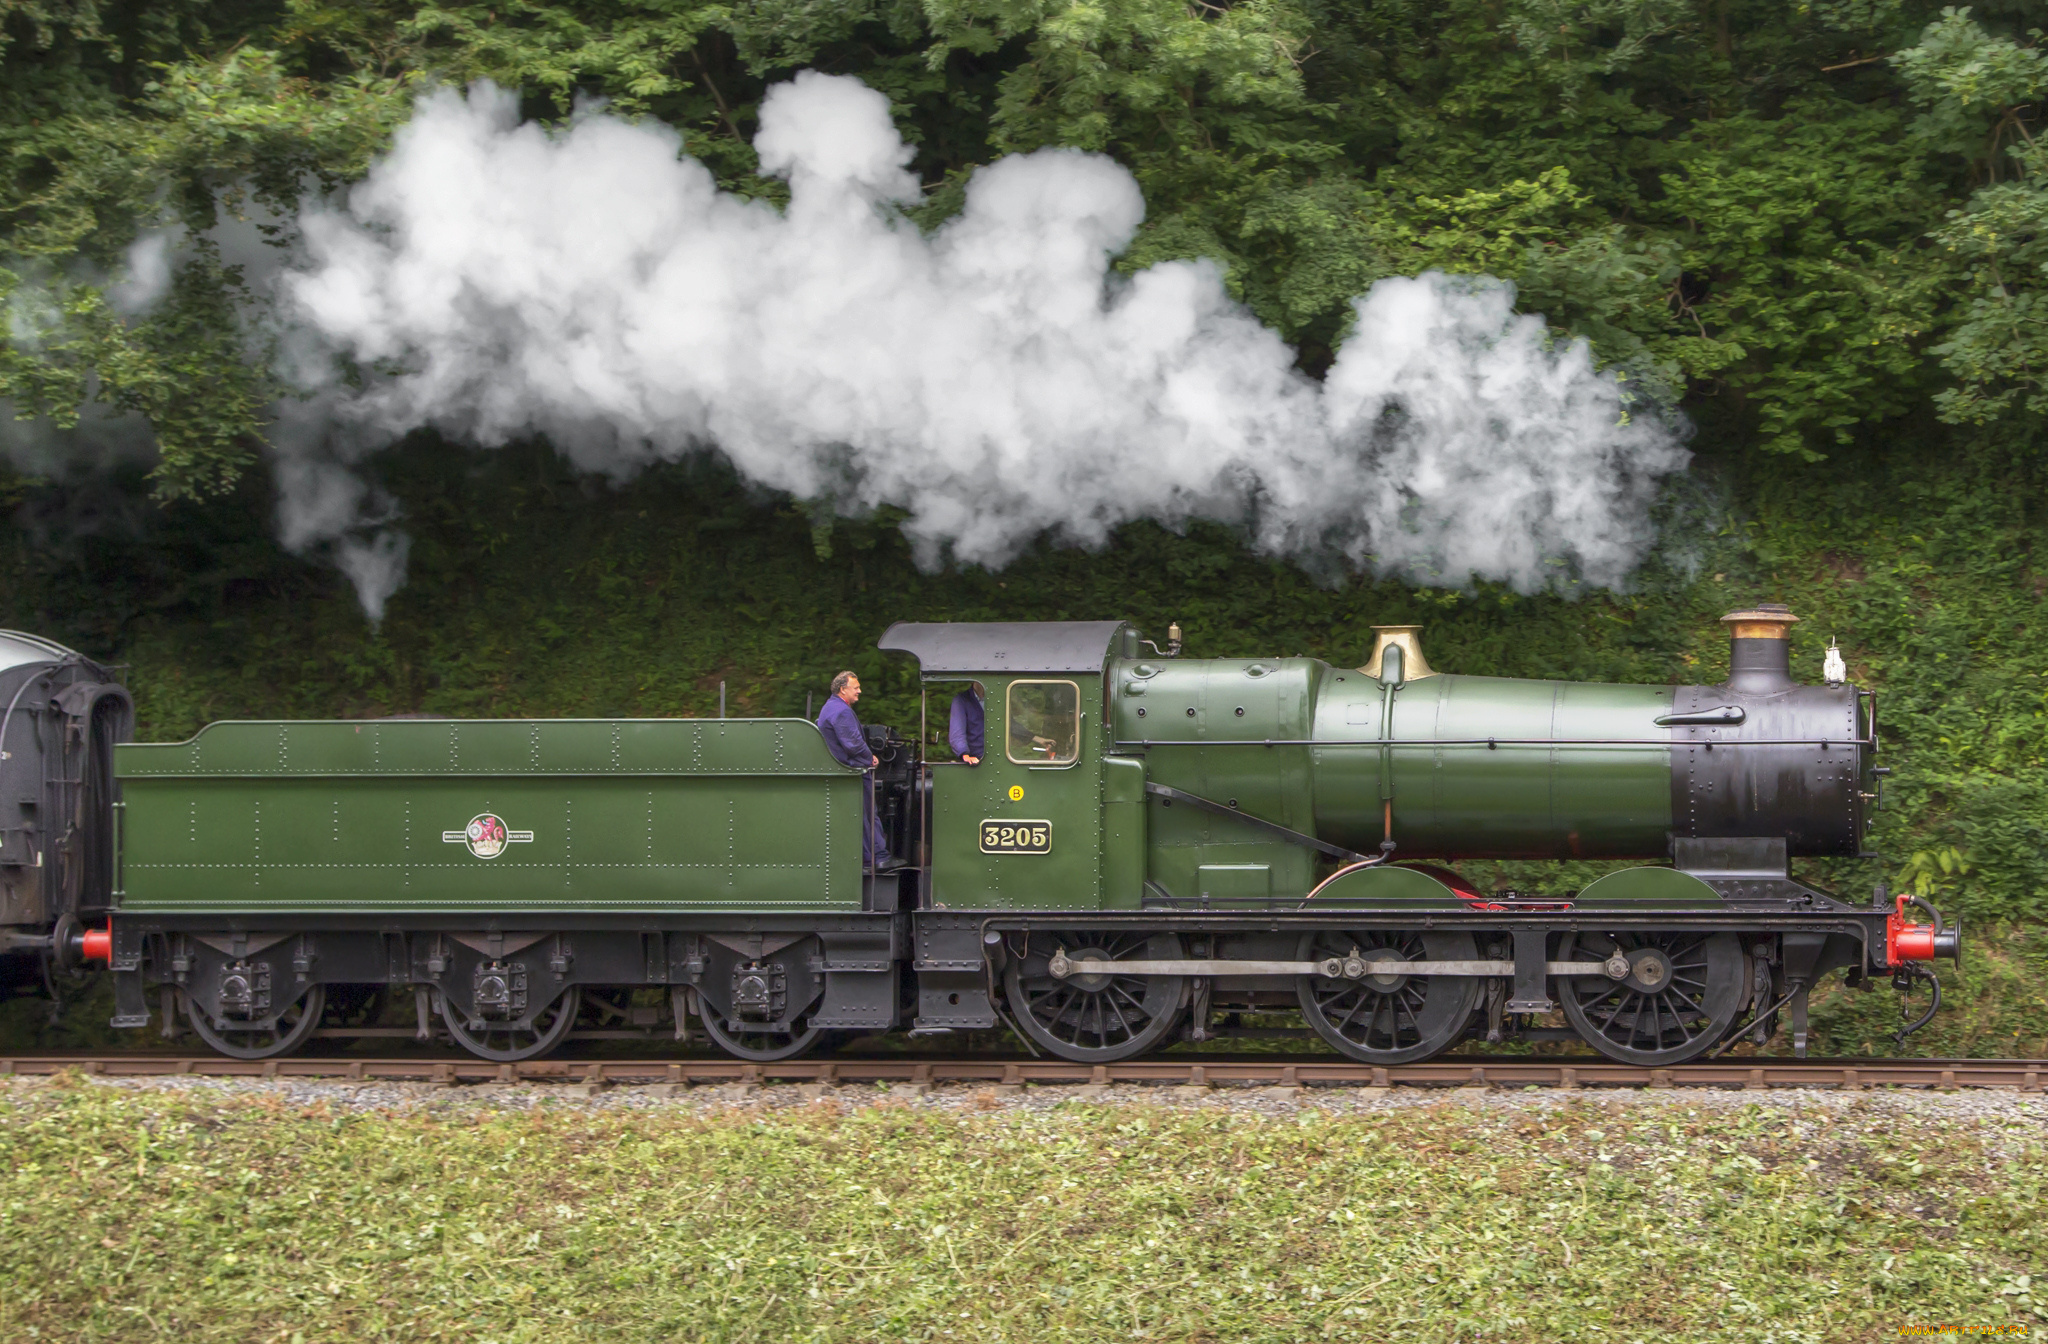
x: 1385, y: 1016
x: 1681, y: 994
x: 1099, y: 1017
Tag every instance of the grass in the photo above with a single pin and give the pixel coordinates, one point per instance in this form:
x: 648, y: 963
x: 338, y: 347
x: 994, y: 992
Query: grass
x: 205, y: 1217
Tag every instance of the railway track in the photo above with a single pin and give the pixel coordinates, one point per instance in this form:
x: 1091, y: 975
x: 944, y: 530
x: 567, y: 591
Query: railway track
x: 2023, y: 1075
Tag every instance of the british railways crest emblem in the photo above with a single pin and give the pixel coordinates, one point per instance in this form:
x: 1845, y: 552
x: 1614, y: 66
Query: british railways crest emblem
x: 486, y: 836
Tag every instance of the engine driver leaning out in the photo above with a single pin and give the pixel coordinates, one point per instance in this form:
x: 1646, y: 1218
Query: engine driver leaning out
x: 844, y: 739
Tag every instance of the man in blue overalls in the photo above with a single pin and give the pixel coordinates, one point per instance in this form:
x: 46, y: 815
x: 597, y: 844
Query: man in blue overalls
x: 843, y: 738
x: 964, y: 730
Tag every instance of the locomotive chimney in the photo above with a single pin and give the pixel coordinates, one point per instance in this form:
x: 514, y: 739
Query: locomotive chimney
x: 1407, y: 638
x: 1759, y: 648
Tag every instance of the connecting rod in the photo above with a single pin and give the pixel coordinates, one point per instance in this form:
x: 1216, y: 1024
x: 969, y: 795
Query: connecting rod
x: 1355, y: 967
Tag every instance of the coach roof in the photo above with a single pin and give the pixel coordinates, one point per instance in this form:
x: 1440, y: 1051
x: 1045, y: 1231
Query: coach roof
x: 18, y: 649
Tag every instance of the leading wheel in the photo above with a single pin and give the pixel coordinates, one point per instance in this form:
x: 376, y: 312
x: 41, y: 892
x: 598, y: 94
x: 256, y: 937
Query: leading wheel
x: 1388, y: 1017
x: 1096, y: 1019
x: 504, y: 1042
x: 1682, y: 994
x: 763, y: 1046
x: 294, y: 1026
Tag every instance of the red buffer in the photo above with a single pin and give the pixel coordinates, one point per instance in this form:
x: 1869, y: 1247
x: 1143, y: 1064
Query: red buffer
x: 1904, y: 942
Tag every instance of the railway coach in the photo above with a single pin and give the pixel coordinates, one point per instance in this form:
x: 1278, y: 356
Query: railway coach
x: 1151, y: 843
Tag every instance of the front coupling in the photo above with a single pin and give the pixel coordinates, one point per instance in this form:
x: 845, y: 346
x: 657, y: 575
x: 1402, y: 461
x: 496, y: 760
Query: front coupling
x: 1904, y: 942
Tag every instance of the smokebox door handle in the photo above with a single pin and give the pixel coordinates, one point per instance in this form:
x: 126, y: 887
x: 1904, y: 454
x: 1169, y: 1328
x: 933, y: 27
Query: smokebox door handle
x: 1722, y: 714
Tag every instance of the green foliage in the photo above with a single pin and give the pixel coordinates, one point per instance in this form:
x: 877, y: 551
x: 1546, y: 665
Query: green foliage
x: 1739, y: 201
x: 1927, y: 871
x: 212, y: 1217
x: 1186, y: 81
x: 1976, y: 90
x: 182, y: 366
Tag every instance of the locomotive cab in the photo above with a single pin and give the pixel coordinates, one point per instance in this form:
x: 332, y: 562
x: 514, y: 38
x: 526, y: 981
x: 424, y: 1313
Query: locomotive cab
x: 1024, y: 829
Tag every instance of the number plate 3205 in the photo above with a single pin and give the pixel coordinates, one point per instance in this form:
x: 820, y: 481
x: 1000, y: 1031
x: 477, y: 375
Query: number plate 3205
x: 1016, y: 837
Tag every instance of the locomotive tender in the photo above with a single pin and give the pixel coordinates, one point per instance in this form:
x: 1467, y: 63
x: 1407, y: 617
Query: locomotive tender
x: 1150, y: 842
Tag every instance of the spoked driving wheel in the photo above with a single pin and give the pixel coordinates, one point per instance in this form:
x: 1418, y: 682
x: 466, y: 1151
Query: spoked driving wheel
x: 294, y: 1026
x: 1385, y: 1016
x: 1099, y: 1017
x: 1681, y: 995
x: 760, y: 1044
x: 506, y: 1042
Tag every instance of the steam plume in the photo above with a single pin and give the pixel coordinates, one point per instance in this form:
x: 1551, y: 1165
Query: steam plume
x: 995, y: 379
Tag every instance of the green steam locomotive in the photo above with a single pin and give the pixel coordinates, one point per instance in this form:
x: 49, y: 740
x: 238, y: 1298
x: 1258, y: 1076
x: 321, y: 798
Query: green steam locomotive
x: 1152, y: 847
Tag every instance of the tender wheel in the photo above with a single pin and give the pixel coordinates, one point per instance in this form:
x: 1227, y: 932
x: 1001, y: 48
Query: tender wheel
x: 762, y: 1046
x: 1388, y: 1018
x: 294, y: 1026
x: 1681, y: 995
x: 1096, y: 1019
x: 506, y: 1043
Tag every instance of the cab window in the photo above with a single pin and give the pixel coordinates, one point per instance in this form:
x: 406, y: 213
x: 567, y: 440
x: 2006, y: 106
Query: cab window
x: 1044, y: 719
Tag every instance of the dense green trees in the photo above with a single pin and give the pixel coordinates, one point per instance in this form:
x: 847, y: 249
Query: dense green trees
x: 1815, y: 218
x: 1818, y: 225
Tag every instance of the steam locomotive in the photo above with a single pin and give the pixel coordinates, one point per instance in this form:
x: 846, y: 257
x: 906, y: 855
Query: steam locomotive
x: 1151, y: 847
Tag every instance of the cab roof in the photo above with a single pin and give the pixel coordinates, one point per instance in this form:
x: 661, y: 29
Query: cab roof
x: 1003, y: 646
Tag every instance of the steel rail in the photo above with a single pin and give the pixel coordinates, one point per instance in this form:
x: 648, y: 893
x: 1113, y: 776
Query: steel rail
x: 1494, y: 743
x: 1450, y: 1071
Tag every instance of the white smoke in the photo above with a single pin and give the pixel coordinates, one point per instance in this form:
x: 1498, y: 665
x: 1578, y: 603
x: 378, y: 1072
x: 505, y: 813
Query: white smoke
x: 325, y: 505
x: 148, y: 276
x: 996, y: 379
x: 102, y: 436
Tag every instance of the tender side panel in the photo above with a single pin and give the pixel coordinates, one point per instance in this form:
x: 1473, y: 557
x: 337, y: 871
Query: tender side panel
x: 584, y: 816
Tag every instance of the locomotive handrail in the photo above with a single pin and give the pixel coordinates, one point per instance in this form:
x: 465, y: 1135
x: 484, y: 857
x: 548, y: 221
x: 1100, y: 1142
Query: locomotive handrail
x: 1491, y: 742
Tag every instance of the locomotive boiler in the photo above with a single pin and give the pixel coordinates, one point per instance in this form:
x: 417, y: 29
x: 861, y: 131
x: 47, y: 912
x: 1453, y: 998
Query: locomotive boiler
x: 1149, y: 845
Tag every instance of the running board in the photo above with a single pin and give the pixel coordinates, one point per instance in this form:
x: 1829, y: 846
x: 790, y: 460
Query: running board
x: 1330, y: 968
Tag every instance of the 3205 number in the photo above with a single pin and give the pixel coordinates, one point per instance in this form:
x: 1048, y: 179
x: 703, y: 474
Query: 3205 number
x: 1016, y: 837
